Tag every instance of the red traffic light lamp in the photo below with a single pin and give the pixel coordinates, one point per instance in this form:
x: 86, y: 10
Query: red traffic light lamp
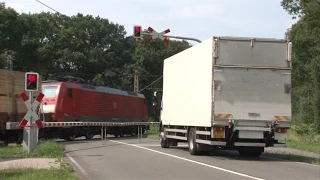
x: 31, y: 81
x: 32, y: 78
x: 137, y: 31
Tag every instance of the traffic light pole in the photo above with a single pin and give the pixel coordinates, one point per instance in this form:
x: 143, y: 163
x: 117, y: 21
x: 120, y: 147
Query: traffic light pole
x: 176, y: 37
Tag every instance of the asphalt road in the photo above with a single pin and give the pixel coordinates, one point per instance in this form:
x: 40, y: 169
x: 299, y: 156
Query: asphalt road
x: 129, y: 158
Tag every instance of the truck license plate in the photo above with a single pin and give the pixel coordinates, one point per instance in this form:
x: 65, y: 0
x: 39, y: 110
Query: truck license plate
x: 219, y: 134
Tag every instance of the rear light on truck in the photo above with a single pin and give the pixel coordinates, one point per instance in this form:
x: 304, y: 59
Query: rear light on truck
x: 281, y: 130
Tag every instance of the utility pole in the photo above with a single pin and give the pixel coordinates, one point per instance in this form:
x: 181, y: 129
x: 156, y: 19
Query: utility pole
x: 153, y: 34
x: 10, y: 60
x: 136, y: 82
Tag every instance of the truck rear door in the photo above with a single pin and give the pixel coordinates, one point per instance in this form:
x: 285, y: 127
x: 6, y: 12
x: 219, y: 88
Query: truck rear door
x: 252, y: 80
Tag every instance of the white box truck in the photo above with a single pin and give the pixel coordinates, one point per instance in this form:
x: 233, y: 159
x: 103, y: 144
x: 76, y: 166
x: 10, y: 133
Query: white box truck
x: 227, y: 93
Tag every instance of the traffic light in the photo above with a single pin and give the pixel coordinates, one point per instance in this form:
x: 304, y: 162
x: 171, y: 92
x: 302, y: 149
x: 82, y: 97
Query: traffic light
x: 137, y: 31
x: 31, y: 81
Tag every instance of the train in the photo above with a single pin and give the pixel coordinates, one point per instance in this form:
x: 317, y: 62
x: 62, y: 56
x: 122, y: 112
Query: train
x: 73, y: 102
x: 65, y: 101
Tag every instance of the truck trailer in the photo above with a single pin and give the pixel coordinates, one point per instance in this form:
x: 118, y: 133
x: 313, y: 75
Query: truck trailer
x: 230, y: 93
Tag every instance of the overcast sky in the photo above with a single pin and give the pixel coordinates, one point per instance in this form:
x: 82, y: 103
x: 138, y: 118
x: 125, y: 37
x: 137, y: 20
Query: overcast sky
x: 193, y: 18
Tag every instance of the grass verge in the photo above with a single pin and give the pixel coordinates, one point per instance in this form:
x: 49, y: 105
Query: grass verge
x: 294, y: 158
x: 310, y: 143
x: 153, y: 132
x: 27, y: 174
x: 45, y: 149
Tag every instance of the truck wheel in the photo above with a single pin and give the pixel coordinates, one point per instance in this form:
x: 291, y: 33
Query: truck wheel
x: 163, y: 142
x: 193, y: 146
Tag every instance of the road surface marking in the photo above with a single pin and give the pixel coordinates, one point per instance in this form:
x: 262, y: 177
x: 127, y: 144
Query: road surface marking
x: 78, y: 165
x: 157, y: 145
x: 148, y: 145
x: 189, y: 160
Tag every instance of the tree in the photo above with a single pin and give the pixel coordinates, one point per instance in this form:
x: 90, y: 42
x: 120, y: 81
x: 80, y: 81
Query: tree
x: 91, y: 48
x: 305, y: 36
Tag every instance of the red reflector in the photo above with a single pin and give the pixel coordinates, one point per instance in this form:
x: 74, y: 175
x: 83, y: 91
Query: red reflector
x: 281, y: 130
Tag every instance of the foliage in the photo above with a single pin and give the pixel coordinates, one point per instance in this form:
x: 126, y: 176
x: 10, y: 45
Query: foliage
x: 153, y: 132
x: 92, y: 48
x: 305, y: 37
x: 299, y: 8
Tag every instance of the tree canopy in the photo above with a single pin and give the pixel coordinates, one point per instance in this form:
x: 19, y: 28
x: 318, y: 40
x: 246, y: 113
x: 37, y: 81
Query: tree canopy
x: 91, y: 48
x: 305, y: 37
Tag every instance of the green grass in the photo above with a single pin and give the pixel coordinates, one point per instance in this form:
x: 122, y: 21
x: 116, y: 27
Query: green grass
x: 153, y: 132
x: 294, y: 158
x: 47, y: 149
x: 37, y: 174
x: 305, y: 142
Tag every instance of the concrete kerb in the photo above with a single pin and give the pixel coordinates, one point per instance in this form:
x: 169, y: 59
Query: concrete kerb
x: 29, y: 163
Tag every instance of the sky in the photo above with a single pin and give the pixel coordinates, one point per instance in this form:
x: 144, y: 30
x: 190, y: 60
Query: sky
x: 200, y: 19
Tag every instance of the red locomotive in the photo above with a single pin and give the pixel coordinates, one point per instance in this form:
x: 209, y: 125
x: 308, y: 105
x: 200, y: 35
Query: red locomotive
x: 71, y: 102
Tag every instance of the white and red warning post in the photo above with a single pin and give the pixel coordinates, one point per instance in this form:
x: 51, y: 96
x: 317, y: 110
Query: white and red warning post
x: 30, y: 127
x: 31, y: 114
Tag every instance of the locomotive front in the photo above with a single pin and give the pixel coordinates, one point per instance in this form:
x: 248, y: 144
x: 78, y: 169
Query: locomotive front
x: 48, y: 103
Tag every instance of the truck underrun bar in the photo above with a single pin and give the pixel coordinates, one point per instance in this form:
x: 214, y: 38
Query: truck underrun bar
x: 252, y: 67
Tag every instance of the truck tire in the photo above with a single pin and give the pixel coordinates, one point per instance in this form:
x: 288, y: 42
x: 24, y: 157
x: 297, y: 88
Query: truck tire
x: 193, y: 146
x: 163, y: 142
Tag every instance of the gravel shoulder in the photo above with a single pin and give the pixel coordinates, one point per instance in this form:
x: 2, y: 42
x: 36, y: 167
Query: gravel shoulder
x: 292, y: 151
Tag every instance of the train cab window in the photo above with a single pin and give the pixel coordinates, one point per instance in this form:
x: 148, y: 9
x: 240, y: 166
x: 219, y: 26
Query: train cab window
x: 69, y: 92
x: 50, y: 91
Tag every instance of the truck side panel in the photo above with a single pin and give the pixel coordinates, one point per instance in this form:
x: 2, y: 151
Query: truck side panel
x: 187, y: 87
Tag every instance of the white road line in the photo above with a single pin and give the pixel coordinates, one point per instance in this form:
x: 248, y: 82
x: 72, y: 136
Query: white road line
x: 78, y: 165
x: 189, y: 160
